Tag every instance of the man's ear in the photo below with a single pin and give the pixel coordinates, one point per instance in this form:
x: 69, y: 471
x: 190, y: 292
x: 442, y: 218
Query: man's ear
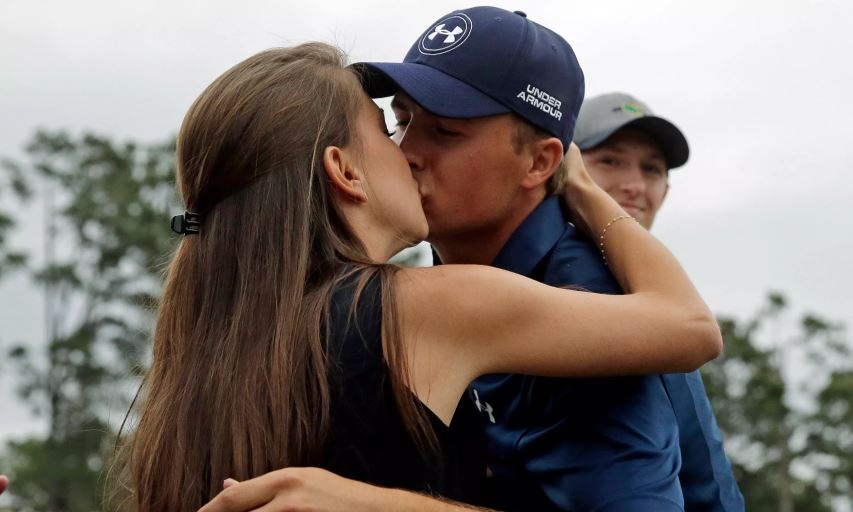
x: 346, y: 177
x: 546, y: 156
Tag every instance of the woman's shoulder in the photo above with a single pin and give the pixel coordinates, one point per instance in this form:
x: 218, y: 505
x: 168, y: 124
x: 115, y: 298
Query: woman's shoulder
x: 441, y: 277
x: 445, y: 287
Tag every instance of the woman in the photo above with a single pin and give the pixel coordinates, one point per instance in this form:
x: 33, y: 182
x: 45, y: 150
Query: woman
x: 284, y: 339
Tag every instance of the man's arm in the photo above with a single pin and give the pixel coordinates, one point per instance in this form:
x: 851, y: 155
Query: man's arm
x: 4, y: 483
x: 706, y: 474
x: 319, y: 490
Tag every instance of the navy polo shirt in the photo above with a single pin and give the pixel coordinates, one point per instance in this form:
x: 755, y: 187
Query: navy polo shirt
x: 609, y: 444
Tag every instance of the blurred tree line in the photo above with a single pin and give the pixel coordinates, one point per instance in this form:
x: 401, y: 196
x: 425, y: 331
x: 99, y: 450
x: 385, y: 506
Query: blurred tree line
x: 107, y: 206
x: 106, y: 210
x: 790, y: 439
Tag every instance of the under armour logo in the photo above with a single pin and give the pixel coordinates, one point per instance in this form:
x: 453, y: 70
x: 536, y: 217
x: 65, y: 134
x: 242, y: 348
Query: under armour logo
x: 446, y: 35
x: 483, y: 406
x: 450, y: 35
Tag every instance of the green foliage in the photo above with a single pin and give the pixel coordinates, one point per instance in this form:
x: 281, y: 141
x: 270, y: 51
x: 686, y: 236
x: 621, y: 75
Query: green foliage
x: 107, y: 234
x: 791, y: 445
x: 13, y: 185
x: 66, y: 475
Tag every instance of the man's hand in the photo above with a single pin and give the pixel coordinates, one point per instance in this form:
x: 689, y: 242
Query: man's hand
x: 318, y: 490
x: 4, y: 483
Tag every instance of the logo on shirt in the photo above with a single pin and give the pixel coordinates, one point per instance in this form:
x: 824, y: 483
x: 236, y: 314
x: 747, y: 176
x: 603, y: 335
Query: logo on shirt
x: 447, y: 35
x: 483, y: 406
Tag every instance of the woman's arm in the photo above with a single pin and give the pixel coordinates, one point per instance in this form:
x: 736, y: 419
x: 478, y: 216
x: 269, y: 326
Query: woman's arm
x: 319, y: 490
x: 461, y: 321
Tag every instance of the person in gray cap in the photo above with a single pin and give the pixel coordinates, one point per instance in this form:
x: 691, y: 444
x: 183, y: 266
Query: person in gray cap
x: 629, y: 151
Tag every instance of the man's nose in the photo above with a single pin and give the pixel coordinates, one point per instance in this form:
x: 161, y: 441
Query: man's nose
x: 409, y: 144
x: 632, y: 180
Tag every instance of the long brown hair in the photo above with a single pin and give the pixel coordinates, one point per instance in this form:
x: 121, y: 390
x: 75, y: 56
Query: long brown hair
x: 238, y: 384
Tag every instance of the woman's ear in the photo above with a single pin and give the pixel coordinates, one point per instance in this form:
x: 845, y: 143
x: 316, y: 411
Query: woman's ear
x: 346, y: 177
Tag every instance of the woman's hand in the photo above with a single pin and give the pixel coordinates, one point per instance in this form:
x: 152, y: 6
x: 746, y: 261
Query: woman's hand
x: 318, y: 490
x: 577, y: 173
x: 292, y: 489
x: 578, y: 187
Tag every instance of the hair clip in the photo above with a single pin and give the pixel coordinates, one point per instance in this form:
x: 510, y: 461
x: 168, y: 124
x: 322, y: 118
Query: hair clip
x: 186, y: 224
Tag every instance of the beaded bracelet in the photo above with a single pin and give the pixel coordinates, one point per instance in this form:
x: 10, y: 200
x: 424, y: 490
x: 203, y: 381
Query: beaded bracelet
x: 604, y: 231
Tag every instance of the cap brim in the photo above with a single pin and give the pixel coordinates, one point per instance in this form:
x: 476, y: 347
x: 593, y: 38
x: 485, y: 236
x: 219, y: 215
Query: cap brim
x: 672, y: 142
x: 435, y: 91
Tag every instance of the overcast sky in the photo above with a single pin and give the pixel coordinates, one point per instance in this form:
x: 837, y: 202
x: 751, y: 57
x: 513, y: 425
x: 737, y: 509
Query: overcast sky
x: 762, y: 89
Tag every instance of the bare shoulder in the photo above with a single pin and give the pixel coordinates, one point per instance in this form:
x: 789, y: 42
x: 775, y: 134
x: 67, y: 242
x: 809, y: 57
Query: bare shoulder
x: 453, y: 282
x: 448, y: 314
x: 460, y: 294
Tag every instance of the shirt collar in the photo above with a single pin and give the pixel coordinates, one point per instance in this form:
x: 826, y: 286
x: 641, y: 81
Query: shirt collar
x: 533, y: 239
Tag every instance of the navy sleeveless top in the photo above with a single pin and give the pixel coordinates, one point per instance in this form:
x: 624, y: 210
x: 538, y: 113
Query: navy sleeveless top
x: 368, y: 440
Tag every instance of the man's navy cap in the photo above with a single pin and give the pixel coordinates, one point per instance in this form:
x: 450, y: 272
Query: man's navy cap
x: 484, y: 61
x: 602, y: 116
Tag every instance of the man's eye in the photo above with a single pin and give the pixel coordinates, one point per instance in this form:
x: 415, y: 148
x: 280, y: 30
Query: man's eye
x: 609, y: 161
x: 398, y: 127
x: 445, y: 131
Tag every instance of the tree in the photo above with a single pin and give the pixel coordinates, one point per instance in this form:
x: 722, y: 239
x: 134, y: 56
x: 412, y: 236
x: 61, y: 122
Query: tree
x: 789, y: 437
x: 108, y: 208
x: 13, y: 185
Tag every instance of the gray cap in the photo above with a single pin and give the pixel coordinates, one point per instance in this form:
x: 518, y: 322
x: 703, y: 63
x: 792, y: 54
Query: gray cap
x: 601, y: 116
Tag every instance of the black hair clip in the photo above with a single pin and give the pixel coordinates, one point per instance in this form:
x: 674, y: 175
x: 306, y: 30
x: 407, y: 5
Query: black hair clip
x: 186, y: 224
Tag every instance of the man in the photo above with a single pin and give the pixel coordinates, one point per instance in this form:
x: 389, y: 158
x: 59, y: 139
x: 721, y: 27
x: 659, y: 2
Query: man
x: 629, y: 152
x: 603, y: 444
x: 486, y: 103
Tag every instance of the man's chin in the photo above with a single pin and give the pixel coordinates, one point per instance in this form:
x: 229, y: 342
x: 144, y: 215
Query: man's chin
x: 633, y: 211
